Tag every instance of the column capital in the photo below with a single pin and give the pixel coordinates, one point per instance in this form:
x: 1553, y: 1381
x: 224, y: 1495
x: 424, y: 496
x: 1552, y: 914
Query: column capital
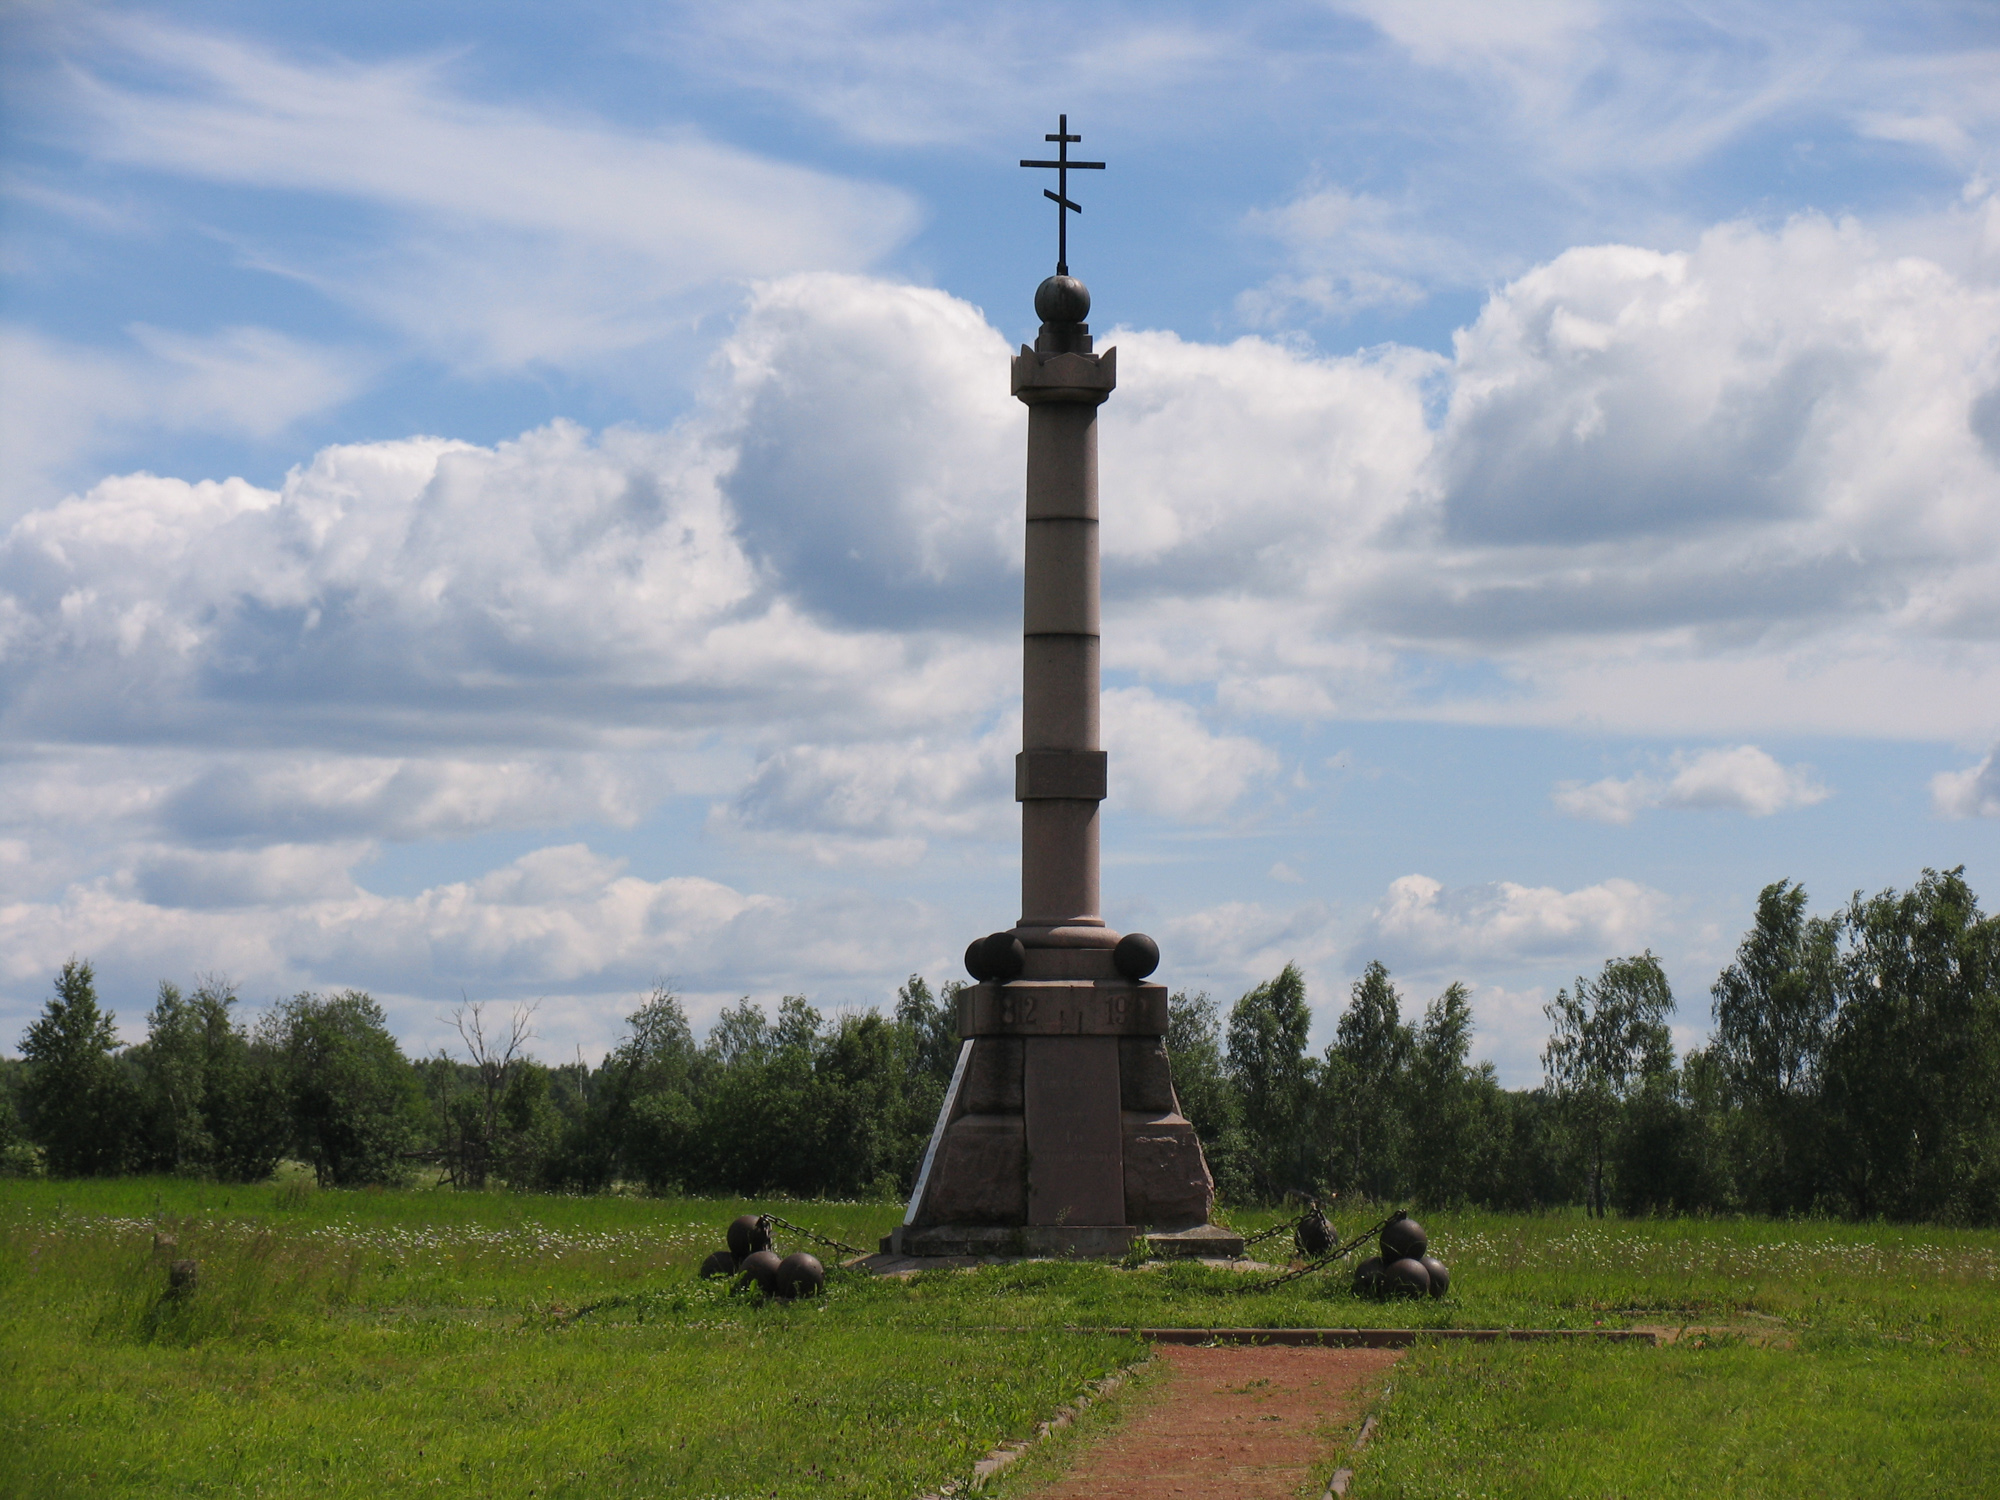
x: 1087, y: 378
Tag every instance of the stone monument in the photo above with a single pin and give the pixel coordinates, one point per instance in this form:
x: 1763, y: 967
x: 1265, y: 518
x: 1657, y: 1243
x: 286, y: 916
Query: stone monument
x: 1060, y: 1132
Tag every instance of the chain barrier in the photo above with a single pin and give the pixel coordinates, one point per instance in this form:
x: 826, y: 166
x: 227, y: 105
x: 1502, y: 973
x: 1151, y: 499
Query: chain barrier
x: 1310, y: 1232
x: 767, y: 1220
x: 1339, y: 1252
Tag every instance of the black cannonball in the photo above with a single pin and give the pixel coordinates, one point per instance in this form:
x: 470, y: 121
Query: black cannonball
x: 800, y: 1275
x: 1440, y: 1277
x: 1368, y: 1276
x: 1062, y: 299
x: 1003, y: 956
x: 761, y: 1267
x: 746, y: 1234
x: 1403, y: 1238
x: 1136, y: 955
x: 1406, y: 1278
x: 721, y: 1263
x: 975, y: 960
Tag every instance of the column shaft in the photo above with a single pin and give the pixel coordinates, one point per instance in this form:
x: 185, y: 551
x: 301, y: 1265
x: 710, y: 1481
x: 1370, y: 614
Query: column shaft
x: 1059, y: 686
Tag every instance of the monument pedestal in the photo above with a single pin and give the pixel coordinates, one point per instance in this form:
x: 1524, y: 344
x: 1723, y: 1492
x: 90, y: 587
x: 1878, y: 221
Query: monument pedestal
x: 1060, y: 1133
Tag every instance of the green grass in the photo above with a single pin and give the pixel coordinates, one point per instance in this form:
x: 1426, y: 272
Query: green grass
x: 384, y: 1343
x: 1851, y: 1417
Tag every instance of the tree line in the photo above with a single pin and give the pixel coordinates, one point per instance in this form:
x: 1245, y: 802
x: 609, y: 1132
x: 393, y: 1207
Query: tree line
x: 1853, y: 1069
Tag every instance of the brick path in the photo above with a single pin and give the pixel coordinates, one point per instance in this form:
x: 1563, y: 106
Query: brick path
x: 1233, y: 1422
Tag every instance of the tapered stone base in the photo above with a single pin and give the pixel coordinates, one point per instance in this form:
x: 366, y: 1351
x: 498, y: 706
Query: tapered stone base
x: 1061, y: 1134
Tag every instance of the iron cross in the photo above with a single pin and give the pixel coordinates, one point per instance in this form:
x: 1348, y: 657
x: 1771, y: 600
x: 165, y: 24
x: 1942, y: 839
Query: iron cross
x: 1064, y: 166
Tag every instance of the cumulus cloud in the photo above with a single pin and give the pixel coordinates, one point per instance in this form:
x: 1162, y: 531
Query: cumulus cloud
x: 1742, y: 779
x: 559, y: 917
x: 1421, y: 924
x: 1971, y: 793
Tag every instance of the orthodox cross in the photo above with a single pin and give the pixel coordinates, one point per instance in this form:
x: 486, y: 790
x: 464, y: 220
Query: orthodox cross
x: 1064, y: 166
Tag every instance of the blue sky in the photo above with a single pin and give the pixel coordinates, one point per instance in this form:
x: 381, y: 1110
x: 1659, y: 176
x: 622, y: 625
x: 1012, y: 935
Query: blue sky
x: 521, y: 501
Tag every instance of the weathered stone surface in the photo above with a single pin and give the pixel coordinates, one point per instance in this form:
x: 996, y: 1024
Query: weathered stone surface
x: 1047, y: 1008
x: 1070, y: 1097
x: 986, y: 1241
x: 1145, y: 1079
x: 981, y: 1173
x: 1064, y: 377
x: 992, y: 1077
x: 1166, y: 1180
x: 1201, y: 1242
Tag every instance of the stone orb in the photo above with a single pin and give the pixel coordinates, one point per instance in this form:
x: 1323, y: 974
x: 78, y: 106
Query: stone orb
x: 1062, y: 299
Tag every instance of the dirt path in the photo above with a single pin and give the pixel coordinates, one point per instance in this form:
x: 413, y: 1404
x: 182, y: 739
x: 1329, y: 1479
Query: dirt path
x: 1226, y: 1423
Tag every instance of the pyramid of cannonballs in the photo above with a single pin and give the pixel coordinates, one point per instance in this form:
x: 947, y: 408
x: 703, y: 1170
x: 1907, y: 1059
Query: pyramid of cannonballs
x: 1405, y: 1268
x: 752, y: 1261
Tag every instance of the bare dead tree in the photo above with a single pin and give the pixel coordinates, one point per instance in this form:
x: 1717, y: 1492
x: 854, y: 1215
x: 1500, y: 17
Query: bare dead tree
x: 496, y: 1061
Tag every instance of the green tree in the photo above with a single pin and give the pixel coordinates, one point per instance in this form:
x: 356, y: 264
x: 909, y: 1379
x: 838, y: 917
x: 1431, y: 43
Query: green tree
x: 1610, y: 1038
x: 243, y: 1105
x: 868, y: 1126
x: 173, y: 1069
x: 354, y: 1101
x: 1913, y: 1066
x: 1774, y: 1009
x: 647, y: 1096
x: 1450, y: 1110
x: 1274, y: 1083
x: 81, y: 1107
x: 1207, y: 1096
x: 1365, y: 1084
x: 19, y: 1156
x: 933, y: 1028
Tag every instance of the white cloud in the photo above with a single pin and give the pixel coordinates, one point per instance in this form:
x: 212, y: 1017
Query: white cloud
x: 1349, y: 251
x: 1420, y: 924
x: 1742, y: 778
x: 1459, y: 30
x: 1971, y: 793
x: 1170, y: 764
x: 524, y: 235
x: 1245, y: 942
x: 903, y: 74
x: 64, y: 406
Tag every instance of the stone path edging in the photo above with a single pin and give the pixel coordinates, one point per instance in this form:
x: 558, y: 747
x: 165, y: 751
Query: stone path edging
x: 1343, y: 1477
x: 1007, y: 1454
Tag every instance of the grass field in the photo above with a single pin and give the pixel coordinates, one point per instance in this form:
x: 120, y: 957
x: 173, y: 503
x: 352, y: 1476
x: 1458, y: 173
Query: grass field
x: 508, y: 1345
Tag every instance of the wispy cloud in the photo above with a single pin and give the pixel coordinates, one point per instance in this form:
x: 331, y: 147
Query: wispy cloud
x: 515, y: 234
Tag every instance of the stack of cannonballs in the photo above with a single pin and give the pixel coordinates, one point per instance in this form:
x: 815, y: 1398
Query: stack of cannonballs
x: 1404, y: 1268
x: 752, y: 1261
